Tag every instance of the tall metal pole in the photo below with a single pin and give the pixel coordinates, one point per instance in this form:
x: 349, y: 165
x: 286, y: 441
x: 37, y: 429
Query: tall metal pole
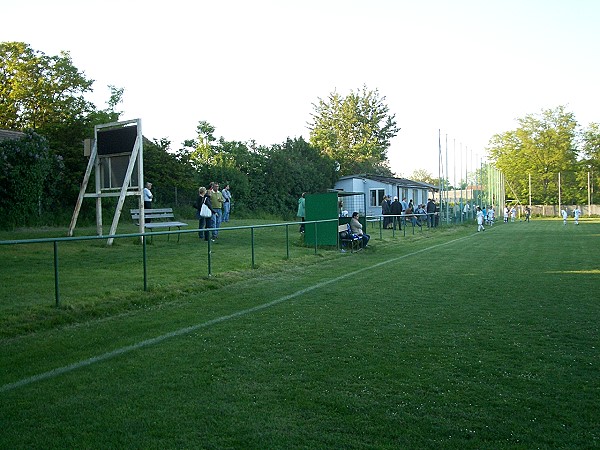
x: 559, y: 198
x: 589, y: 197
x: 530, y: 191
x: 454, y: 175
x: 445, y: 184
x: 462, y: 206
x: 472, y: 200
x: 440, y: 163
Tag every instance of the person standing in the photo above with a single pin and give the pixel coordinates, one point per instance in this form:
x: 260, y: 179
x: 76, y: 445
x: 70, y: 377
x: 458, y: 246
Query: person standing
x: 480, y: 226
x: 564, y: 214
x: 386, y: 207
x: 302, y: 210
x: 216, y: 199
x: 491, y: 215
x: 466, y: 211
x: 430, y: 213
x: 396, y: 211
x: 148, y: 198
x: 357, y: 229
x: 203, y: 222
x: 577, y: 215
x: 527, y: 213
x: 404, y: 204
x: 226, y: 203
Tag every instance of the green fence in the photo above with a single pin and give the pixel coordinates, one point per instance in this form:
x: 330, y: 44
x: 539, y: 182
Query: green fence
x: 148, y: 236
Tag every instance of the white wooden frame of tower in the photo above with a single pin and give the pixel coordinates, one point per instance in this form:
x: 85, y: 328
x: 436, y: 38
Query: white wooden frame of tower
x: 136, y: 155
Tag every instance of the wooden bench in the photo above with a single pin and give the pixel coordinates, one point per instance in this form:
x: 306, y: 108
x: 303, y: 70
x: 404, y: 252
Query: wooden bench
x: 161, y: 218
x: 346, y: 237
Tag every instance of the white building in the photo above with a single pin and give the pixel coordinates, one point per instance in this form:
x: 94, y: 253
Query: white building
x: 375, y: 187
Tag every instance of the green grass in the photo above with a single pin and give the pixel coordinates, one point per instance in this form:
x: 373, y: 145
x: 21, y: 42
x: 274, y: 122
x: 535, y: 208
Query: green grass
x: 448, y: 339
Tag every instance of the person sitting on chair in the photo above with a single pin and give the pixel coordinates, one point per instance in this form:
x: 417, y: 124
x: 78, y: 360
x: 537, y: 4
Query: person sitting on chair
x: 356, y: 228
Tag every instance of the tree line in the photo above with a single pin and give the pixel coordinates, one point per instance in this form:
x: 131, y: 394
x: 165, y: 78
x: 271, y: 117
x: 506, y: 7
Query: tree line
x: 45, y: 97
x: 40, y: 175
x: 547, y: 151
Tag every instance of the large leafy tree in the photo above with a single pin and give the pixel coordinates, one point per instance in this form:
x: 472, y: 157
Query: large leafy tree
x: 37, y: 90
x: 424, y: 176
x: 590, y: 164
x: 265, y: 179
x: 48, y: 94
x: 542, y: 146
x: 354, y: 130
x: 290, y: 169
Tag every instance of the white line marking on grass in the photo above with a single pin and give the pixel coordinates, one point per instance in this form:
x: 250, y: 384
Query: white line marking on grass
x: 120, y: 351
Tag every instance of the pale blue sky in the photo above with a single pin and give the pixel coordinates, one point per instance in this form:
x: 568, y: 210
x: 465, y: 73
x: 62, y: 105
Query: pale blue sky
x: 254, y: 68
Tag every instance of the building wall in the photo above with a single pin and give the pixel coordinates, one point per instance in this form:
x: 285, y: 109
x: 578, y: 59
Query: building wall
x: 375, y: 190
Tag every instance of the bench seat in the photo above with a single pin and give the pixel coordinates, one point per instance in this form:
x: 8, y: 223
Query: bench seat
x: 346, y: 237
x: 160, y: 219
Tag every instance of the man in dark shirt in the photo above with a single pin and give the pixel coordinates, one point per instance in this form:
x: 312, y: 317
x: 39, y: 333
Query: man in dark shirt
x: 430, y: 213
x: 396, y: 210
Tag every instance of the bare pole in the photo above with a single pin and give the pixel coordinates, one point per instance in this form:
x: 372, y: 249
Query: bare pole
x: 529, y: 191
x: 467, y: 175
x: 559, y: 196
x: 454, y: 175
x: 440, y: 162
x: 447, y: 176
x: 589, y: 197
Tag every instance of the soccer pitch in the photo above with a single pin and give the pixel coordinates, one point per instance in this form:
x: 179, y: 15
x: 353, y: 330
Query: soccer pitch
x: 457, y: 339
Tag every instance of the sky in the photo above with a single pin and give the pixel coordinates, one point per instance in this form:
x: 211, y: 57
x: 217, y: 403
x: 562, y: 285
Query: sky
x: 453, y: 71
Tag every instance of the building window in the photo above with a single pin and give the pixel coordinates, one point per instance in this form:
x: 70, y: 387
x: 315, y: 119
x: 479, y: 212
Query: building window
x: 376, y: 196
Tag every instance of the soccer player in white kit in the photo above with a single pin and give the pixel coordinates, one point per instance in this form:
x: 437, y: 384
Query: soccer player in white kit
x: 480, y: 220
x: 577, y: 214
x: 563, y: 213
x: 490, y: 215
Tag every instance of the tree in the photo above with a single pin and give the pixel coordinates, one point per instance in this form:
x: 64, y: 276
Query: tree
x: 263, y: 179
x: 291, y: 168
x: 591, y: 157
x: 27, y: 169
x: 37, y: 90
x: 543, y: 146
x: 424, y: 176
x: 47, y: 94
x: 355, y: 131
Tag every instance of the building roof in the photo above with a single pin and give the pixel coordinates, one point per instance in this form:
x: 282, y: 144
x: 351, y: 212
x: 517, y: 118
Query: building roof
x: 6, y: 135
x: 393, y: 180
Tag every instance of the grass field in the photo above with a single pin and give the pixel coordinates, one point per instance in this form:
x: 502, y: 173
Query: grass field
x: 448, y: 339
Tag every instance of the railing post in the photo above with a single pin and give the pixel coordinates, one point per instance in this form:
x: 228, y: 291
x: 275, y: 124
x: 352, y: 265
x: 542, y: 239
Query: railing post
x: 56, y: 287
x: 316, y: 240
x: 209, y: 256
x: 145, y: 262
x: 252, y: 244
x: 287, y: 241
